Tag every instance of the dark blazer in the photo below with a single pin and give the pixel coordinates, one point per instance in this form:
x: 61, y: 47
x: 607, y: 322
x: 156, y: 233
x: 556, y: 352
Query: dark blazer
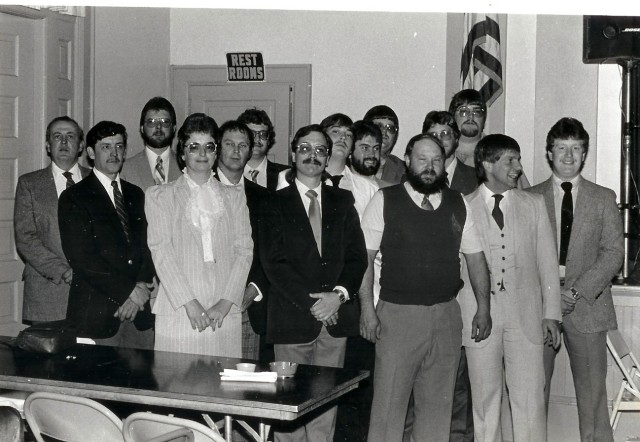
x: 37, y: 236
x: 295, y: 269
x: 596, y: 252
x: 273, y: 170
x: 105, y: 266
x: 464, y: 179
x: 394, y: 170
x: 257, y: 310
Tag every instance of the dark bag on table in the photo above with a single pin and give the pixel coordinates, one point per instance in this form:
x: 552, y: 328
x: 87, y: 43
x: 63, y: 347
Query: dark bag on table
x: 46, y: 337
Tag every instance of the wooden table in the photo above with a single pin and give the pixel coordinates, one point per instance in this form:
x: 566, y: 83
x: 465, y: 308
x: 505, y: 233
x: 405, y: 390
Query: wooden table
x: 174, y: 380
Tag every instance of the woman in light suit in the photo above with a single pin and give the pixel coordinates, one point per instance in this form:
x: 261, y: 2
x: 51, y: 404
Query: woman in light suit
x: 200, y: 240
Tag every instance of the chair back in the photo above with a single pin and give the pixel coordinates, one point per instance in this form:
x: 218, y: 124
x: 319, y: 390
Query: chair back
x: 150, y: 427
x: 623, y: 356
x: 71, y: 419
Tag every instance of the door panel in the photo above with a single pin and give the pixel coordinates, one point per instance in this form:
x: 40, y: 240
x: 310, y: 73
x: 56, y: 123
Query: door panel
x: 285, y: 96
x: 21, y: 145
x: 225, y: 102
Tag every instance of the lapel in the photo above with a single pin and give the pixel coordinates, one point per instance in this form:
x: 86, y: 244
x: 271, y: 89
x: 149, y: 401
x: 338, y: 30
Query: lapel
x: 47, y: 188
x: 330, y: 205
x: 102, y: 204
x: 549, y: 201
x: 296, y: 214
x: 84, y: 171
x: 581, y: 211
x: 482, y: 218
x: 174, y: 169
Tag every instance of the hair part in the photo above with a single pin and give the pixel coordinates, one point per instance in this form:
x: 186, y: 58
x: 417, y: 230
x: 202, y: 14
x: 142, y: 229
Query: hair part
x: 259, y: 117
x: 194, y: 123
x: 65, y: 119
x: 157, y: 104
x: 105, y: 129
x: 567, y: 128
x: 490, y: 149
x: 440, y: 117
x: 469, y: 97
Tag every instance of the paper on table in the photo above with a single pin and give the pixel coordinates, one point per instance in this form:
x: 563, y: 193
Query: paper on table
x: 246, y: 376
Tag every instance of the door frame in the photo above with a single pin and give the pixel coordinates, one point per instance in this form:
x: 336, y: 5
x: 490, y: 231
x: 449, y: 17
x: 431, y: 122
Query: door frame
x: 298, y: 76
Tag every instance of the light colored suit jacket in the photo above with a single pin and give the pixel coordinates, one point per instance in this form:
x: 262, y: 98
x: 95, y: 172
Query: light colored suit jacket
x: 136, y: 170
x: 595, y: 255
x: 38, y: 242
x: 177, y: 252
x: 537, y: 286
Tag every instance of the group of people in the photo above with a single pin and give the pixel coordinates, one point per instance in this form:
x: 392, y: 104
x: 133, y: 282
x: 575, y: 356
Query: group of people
x: 446, y: 275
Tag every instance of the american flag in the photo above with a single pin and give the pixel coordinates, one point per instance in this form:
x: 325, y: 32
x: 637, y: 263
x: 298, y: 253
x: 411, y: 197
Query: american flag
x: 480, y: 66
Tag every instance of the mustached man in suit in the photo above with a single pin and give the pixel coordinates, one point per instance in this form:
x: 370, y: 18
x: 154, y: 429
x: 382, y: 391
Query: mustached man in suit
x: 47, y: 274
x: 235, y: 146
x: 103, y: 230
x: 156, y: 164
x: 588, y: 233
x: 313, y: 253
x: 525, y: 296
x: 258, y: 168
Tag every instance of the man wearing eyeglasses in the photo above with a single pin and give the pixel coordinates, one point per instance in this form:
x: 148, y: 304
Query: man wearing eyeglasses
x: 47, y: 274
x: 259, y: 169
x: 470, y: 113
x: 103, y: 231
x: 313, y: 253
x: 392, y: 169
x: 156, y: 164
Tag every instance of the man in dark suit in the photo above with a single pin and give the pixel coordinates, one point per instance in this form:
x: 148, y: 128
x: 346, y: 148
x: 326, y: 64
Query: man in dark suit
x: 259, y: 169
x: 588, y: 233
x: 156, y: 164
x: 234, y: 147
x: 313, y: 253
x: 103, y: 230
x: 47, y: 273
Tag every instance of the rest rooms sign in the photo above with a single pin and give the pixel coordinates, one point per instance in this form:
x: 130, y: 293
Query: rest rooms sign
x: 245, y: 66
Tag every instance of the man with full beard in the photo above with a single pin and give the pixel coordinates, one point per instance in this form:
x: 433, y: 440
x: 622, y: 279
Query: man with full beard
x: 156, y: 164
x: 366, y: 151
x: 420, y: 226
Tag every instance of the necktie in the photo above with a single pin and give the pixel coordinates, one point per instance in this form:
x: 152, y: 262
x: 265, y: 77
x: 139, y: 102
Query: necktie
x: 160, y: 170
x: 315, y: 218
x: 566, y: 219
x: 120, y: 208
x: 497, y: 212
x: 335, y: 180
x: 254, y: 175
x: 68, y: 175
x: 426, y: 204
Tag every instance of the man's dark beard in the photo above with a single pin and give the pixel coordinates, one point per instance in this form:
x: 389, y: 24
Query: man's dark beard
x: 366, y: 170
x: 418, y: 182
x: 470, y: 129
x: 152, y: 142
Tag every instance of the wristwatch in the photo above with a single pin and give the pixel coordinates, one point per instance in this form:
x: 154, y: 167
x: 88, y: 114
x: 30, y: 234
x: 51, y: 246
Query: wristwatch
x: 574, y: 293
x: 341, y: 296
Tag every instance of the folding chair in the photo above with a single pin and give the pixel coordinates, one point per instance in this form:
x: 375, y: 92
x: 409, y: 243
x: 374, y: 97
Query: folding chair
x: 150, y: 427
x: 71, y: 419
x: 628, y: 397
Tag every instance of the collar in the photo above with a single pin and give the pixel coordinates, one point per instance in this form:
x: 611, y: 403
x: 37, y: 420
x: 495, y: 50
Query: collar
x: 224, y: 180
x: 75, y: 170
x: 575, y: 181
x: 487, y: 195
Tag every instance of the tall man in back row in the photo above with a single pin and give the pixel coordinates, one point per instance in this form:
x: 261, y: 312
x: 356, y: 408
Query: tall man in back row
x: 420, y: 226
x: 588, y: 233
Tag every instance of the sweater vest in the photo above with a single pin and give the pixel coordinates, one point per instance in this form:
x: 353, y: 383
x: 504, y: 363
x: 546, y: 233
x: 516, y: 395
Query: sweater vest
x: 420, y: 248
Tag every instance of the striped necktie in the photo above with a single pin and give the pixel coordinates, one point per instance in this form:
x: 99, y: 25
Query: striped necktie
x: 254, y: 175
x: 69, y: 176
x: 120, y: 209
x: 160, y: 178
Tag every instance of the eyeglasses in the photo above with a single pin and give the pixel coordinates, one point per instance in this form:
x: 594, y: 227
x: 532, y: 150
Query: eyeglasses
x: 388, y: 128
x: 58, y: 138
x: 260, y: 135
x: 209, y: 148
x: 445, y: 135
x: 367, y: 149
x: 464, y: 112
x: 318, y: 149
x: 154, y: 122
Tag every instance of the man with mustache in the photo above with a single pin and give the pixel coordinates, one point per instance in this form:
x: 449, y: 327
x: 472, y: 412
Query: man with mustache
x: 421, y: 227
x: 156, y: 164
x: 525, y: 296
x: 392, y: 168
x: 103, y: 230
x: 259, y: 168
x: 366, y: 151
x: 312, y: 251
x: 47, y: 274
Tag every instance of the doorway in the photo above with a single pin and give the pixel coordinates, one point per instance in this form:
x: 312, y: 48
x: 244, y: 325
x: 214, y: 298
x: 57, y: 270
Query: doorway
x: 285, y: 96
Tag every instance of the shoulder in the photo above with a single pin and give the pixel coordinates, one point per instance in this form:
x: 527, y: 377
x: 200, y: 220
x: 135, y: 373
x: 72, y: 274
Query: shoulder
x: 131, y: 188
x: 527, y: 197
x: 465, y: 169
x: 36, y: 176
x: 595, y: 190
x: 276, y: 167
x: 541, y: 188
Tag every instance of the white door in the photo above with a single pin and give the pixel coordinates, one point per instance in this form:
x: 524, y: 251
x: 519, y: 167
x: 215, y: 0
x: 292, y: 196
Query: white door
x: 285, y: 97
x: 21, y: 148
